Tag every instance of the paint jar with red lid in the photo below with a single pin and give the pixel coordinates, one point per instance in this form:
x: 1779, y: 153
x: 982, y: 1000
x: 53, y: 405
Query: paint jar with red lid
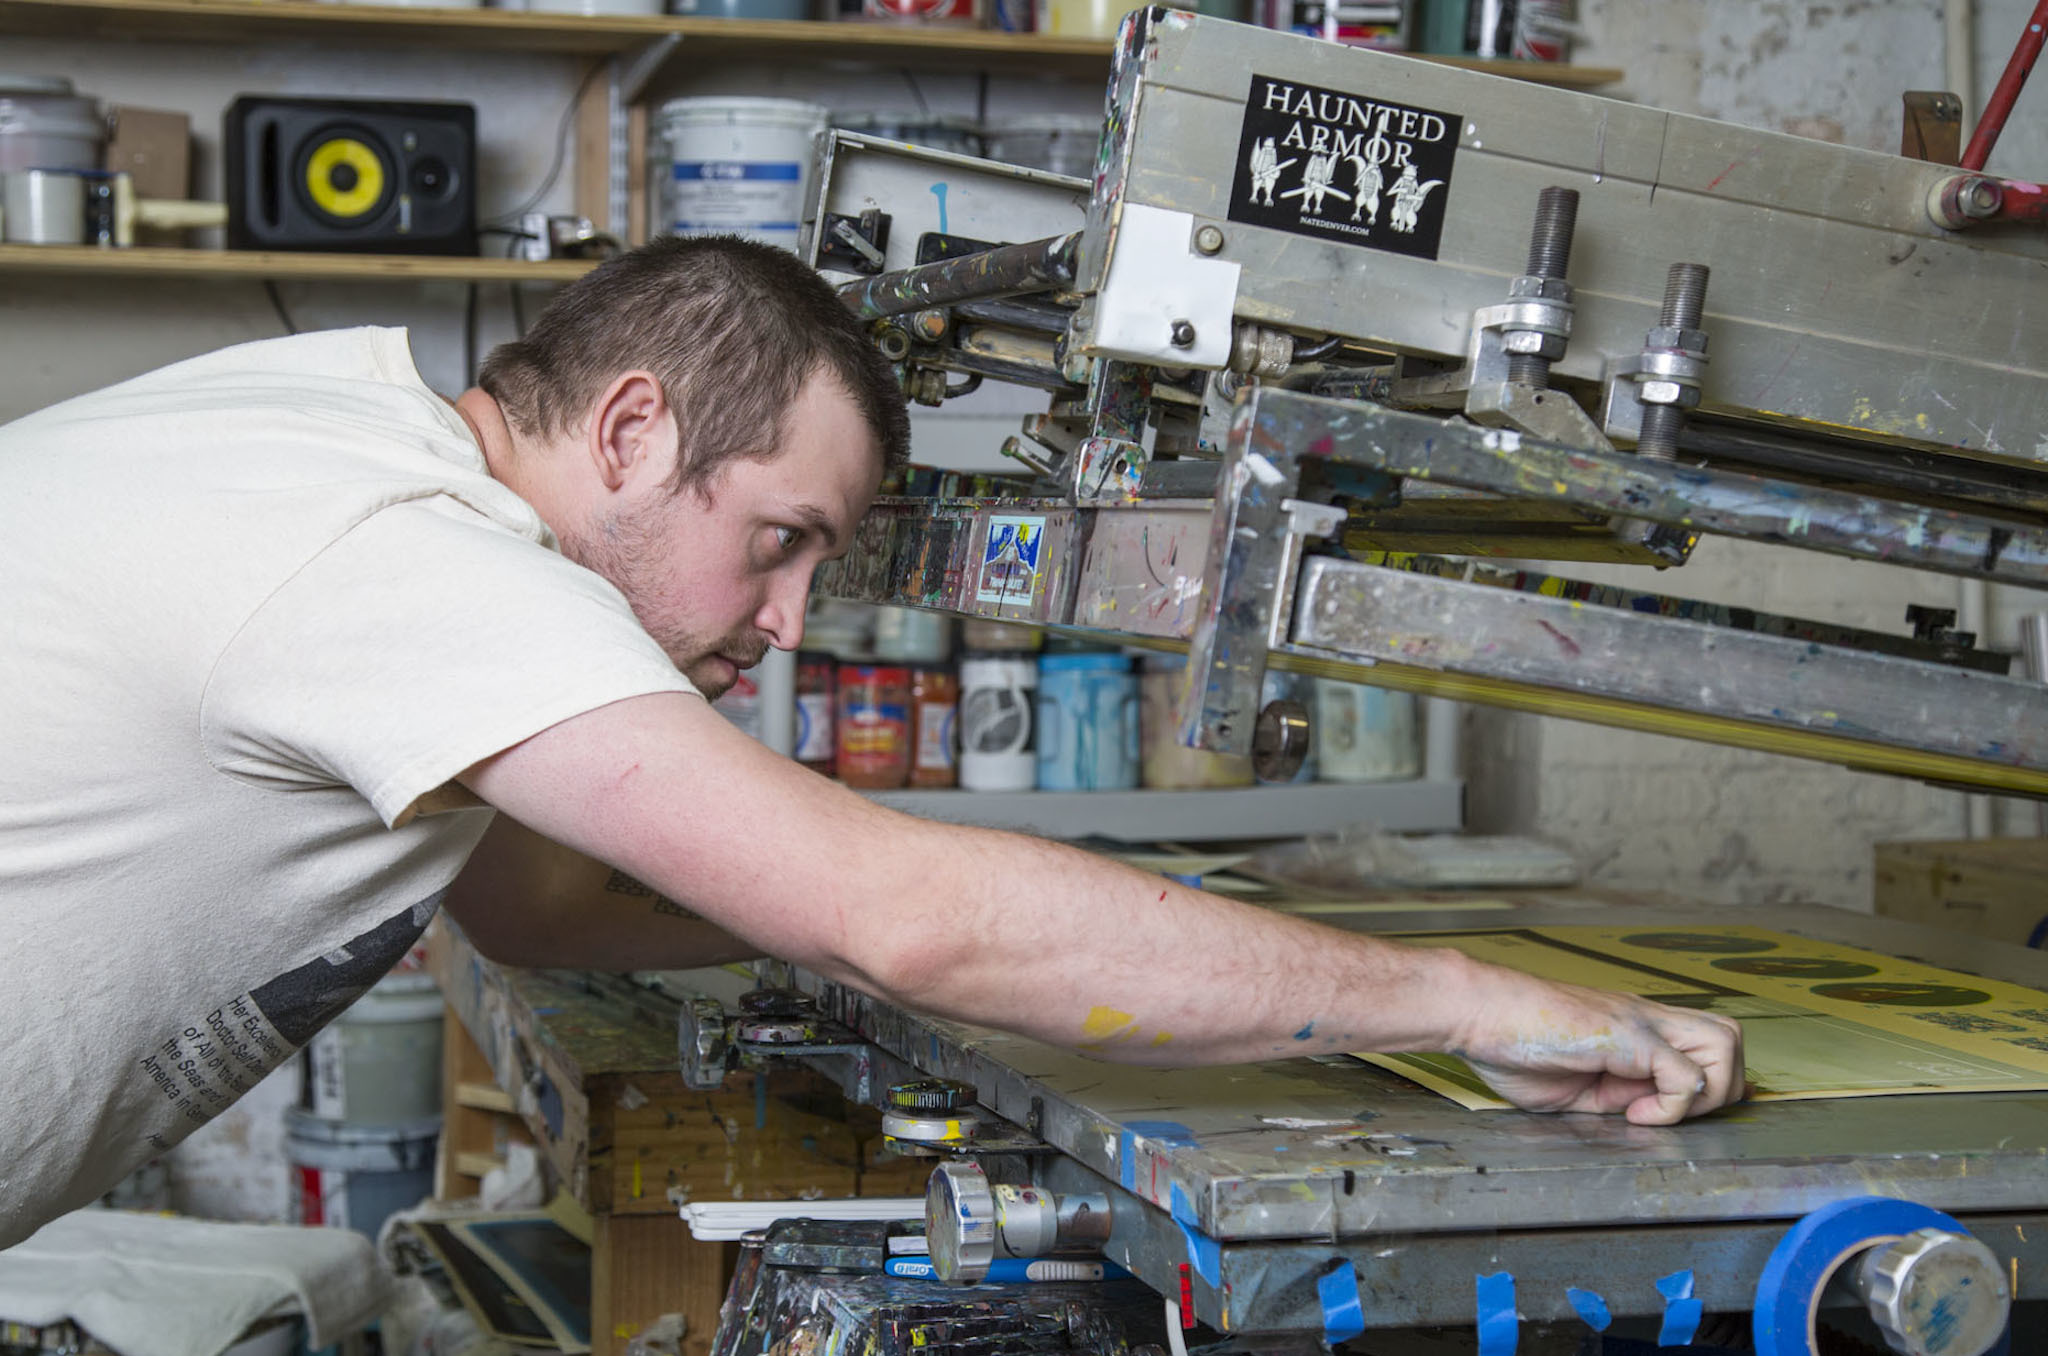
x: 874, y: 731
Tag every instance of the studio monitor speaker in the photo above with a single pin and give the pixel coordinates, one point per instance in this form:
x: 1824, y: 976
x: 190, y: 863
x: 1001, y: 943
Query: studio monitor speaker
x: 350, y: 174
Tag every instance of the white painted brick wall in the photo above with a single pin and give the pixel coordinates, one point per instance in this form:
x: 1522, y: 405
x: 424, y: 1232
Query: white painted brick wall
x: 1729, y: 825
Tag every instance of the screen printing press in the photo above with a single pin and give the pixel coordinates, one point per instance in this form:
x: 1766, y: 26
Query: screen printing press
x: 1340, y: 352
x: 1286, y: 1204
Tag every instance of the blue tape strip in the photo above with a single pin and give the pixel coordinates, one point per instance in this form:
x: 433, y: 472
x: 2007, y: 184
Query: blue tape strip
x: 1343, y: 1311
x: 1591, y: 1308
x: 1171, y: 1133
x: 1499, y: 1328
x: 1204, y: 1253
x: 1166, y: 1132
x: 1799, y: 1265
x: 1682, y: 1313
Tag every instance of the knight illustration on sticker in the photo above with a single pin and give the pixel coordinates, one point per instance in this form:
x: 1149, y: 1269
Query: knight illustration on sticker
x: 1344, y: 166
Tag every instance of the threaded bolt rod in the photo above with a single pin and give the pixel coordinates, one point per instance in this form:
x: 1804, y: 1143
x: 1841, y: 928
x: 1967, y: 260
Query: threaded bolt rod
x: 1550, y: 250
x: 1550, y: 243
x: 1685, y: 300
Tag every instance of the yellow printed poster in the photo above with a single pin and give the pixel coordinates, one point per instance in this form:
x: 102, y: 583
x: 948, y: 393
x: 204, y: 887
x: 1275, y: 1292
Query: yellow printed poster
x: 1818, y: 1020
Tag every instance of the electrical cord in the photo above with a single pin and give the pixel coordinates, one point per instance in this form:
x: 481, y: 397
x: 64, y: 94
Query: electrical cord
x: 561, y: 149
x: 469, y: 338
x: 915, y: 92
x: 277, y: 304
x: 512, y: 239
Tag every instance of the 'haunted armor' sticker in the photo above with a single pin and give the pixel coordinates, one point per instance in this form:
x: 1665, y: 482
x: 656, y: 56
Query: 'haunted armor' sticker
x: 1345, y: 167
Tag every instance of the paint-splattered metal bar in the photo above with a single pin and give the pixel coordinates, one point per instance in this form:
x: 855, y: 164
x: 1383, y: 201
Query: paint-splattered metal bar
x: 1007, y: 271
x: 1364, y: 611
x: 1728, y: 503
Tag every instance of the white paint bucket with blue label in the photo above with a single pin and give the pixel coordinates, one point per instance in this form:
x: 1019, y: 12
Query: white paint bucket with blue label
x: 731, y: 166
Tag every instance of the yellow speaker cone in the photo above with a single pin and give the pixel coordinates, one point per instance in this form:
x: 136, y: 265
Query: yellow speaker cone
x: 344, y: 177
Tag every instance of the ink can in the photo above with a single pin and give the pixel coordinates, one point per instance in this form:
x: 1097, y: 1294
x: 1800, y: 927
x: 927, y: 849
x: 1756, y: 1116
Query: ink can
x: 1087, y: 722
x: 874, y: 726
x: 816, y: 696
x: 935, y: 745
x: 998, y: 694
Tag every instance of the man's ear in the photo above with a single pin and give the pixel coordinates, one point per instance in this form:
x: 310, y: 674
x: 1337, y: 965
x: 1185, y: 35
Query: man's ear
x: 633, y: 434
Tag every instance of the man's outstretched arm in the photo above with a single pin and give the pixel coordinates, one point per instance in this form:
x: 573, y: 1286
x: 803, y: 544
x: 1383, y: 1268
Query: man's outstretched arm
x: 1060, y: 945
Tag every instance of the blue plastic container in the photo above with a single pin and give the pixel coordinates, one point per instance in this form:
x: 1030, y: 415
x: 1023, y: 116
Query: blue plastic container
x: 1087, y: 722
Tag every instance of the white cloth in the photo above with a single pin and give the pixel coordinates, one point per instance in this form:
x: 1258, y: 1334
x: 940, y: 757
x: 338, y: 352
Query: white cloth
x: 151, y: 1285
x: 253, y: 607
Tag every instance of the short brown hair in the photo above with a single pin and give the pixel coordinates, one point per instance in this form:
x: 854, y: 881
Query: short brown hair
x: 732, y: 329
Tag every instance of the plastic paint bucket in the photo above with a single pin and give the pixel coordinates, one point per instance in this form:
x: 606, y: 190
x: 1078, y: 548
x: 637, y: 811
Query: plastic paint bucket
x: 1166, y: 763
x: 743, y: 9
x: 735, y: 166
x: 998, y: 697
x: 379, y: 1063
x: 596, y: 7
x: 959, y: 135
x: 354, y: 1176
x: 1365, y: 734
x: 43, y: 125
x: 1087, y: 723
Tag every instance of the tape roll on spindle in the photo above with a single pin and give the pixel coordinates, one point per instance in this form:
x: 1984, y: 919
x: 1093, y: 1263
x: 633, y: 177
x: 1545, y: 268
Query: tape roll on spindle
x: 1788, y: 1290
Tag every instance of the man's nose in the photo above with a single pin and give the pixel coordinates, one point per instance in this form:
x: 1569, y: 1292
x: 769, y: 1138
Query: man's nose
x: 781, y: 617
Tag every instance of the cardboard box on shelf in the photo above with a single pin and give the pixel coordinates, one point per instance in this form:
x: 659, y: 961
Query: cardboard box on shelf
x: 154, y: 148
x: 1993, y: 887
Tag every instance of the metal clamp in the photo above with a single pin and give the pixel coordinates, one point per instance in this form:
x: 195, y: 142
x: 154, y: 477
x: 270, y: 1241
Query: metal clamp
x: 771, y: 1023
x: 968, y: 1222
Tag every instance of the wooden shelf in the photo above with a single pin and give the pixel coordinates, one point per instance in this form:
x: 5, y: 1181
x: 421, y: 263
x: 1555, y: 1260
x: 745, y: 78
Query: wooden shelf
x: 722, y: 40
x: 715, y: 39
x: 143, y: 261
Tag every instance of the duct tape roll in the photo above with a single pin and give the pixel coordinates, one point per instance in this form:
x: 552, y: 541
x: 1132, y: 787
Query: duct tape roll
x: 1789, y: 1288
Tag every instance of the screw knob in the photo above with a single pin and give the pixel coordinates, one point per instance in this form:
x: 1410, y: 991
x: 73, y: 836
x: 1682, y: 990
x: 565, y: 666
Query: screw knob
x: 960, y: 1222
x: 1936, y: 1292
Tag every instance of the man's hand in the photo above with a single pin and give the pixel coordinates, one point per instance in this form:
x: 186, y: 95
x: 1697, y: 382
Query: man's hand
x: 1559, y: 1047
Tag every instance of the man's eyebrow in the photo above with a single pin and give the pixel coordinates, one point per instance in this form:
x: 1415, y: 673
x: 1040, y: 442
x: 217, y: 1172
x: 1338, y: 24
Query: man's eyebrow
x: 818, y: 521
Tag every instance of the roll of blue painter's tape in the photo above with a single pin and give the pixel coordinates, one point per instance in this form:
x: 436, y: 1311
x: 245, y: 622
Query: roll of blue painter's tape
x: 1788, y: 1290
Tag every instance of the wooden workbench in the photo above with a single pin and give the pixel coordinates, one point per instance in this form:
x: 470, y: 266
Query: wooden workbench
x: 588, y: 1064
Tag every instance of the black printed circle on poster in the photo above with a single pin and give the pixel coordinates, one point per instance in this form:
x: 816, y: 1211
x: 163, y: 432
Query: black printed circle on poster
x: 1796, y: 967
x: 1699, y: 941
x: 1344, y: 167
x: 1904, y: 995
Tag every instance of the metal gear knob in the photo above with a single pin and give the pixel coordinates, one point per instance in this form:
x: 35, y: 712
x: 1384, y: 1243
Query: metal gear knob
x: 960, y: 1222
x: 1936, y: 1292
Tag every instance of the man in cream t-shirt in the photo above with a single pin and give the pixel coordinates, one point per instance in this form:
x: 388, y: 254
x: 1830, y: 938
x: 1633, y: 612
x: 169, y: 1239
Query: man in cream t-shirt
x: 282, y: 626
